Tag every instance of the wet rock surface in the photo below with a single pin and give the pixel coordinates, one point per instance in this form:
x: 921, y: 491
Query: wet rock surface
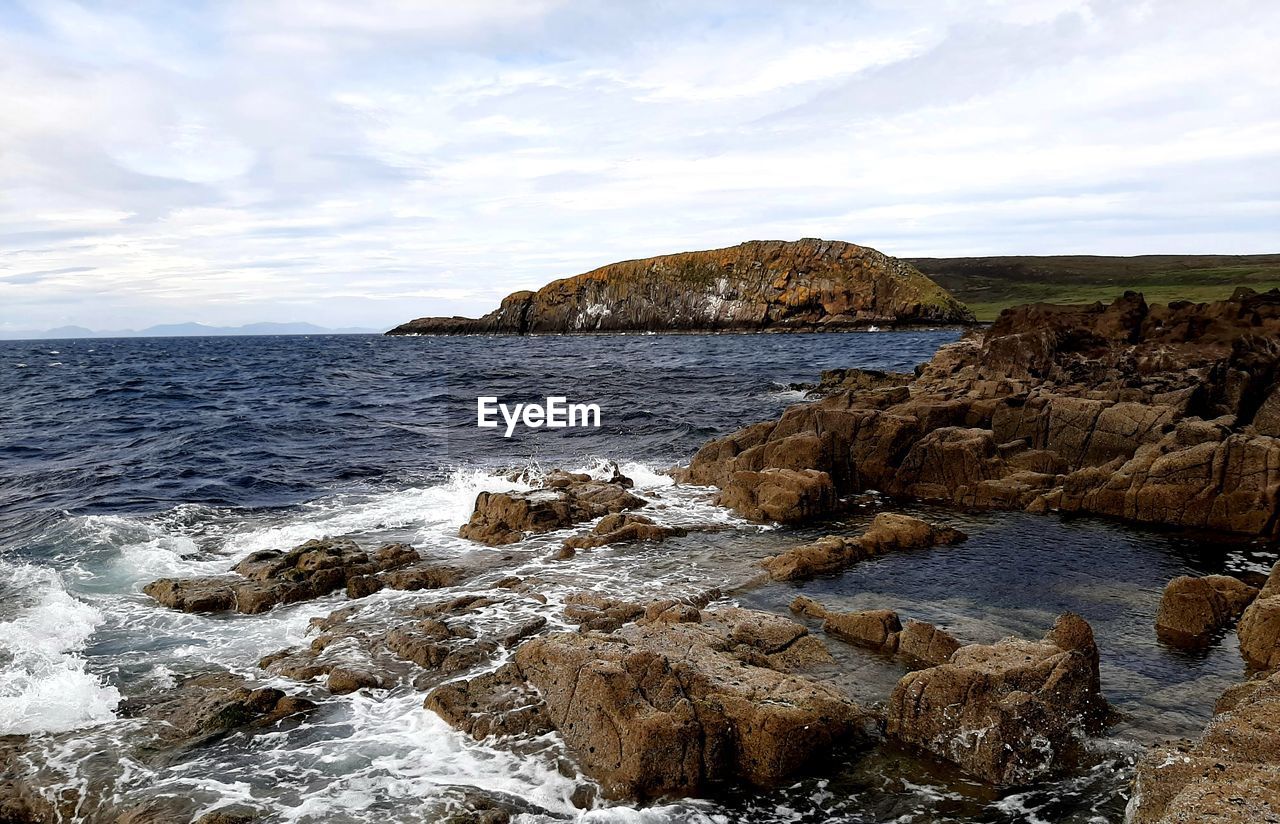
x: 564, y: 500
x: 804, y: 285
x: 674, y: 703
x: 889, y: 532
x: 1009, y: 712
x: 1193, y: 609
x: 1158, y: 414
x: 270, y: 578
x: 622, y: 528
x: 1259, y: 627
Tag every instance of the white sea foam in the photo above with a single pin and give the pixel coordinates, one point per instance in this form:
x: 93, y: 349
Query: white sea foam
x: 44, y: 685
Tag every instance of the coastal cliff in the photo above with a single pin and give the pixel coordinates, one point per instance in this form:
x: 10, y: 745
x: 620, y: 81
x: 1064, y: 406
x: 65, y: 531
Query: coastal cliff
x: 804, y: 285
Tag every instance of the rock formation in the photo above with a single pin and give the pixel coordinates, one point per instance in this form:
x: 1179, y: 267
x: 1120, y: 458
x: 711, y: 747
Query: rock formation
x: 1008, y: 713
x: 1193, y: 609
x: 805, y: 285
x: 889, y: 532
x: 672, y: 704
x: 1160, y: 414
x: 1230, y: 776
x: 269, y: 578
x: 565, y: 499
x: 1259, y: 628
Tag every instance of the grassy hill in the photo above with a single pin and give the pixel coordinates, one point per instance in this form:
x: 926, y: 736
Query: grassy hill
x: 989, y: 284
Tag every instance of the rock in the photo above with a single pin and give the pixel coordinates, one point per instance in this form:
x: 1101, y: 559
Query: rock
x: 1008, y: 713
x: 889, y: 532
x: 877, y: 628
x: 343, y: 680
x: 780, y: 494
x: 497, y: 703
x: 1193, y: 609
x: 1231, y: 775
x: 269, y: 578
x: 804, y: 285
x: 591, y: 611
x: 1259, y: 627
x: 1156, y: 414
x: 506, y: 517
x: 923, y: 644
x: 672, y: 708
x: 423, y: 576
x: 215, y: 703
x: 622, y: 527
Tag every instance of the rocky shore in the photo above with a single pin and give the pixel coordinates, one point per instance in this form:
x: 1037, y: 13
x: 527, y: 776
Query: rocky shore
x: 1167, y: 415
x: 804, y: 285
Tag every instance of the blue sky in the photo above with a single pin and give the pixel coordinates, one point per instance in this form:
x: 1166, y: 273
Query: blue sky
x: 359, y: 164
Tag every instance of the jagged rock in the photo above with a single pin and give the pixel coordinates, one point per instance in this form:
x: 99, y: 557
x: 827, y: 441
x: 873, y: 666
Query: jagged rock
x: 498, y: 703
x: 1158, y: 414
x: 591, y: 611
x: 1232, y: 775
x: 343, y: 680
x: 670, y: 708
x: 808, y: 284
x: 923, y: 644
x: 211, y: 704
x: 1009, y: 712
x: 506, y: 517
x: 889, y: 532
x: 876, y: 628
x: 622, y: 527
x: 1259, y: 627
x: 269, y: 578
x: 779, y: 494
x: 1193, y: 609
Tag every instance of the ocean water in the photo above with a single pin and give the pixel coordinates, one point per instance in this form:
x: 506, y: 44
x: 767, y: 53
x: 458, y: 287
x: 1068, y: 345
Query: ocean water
x: 126, y: 460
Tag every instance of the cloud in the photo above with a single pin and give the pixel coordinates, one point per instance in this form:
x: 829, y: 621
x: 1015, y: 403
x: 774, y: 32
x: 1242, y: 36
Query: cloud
x: 358, y: 164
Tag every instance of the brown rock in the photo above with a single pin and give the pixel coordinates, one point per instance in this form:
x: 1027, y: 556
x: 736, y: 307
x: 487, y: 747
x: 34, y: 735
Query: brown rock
x: 923, y: 644
x: 877, y: 629
x: 506, y: 517
x: 1193, y: 609
x: 1008, y: 713
x: 780, y: 494
x: 671, y: 708
x: 888, y: 532
x: 343, y: 680
x: 208, y: 705
x: 619, y: 528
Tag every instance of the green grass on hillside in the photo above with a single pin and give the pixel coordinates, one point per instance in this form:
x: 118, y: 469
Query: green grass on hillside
x: 988, y: 285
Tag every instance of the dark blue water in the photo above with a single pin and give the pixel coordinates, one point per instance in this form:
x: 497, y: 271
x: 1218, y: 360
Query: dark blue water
x: 140, y: 425
x: 126, y: 460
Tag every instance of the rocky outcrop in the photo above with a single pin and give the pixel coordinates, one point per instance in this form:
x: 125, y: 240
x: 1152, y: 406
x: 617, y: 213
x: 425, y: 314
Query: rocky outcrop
x: 805, y: 285
x: 1230, y: 776
x: 889, y: 532
x: 318, y: 567
x: 776, y: 494
x: 1193, y: 609
x: 214, y: 703
x: 672, y: 704
x: 1008, y: 713
x: 622, y: 528
x: 564, y: 500
x: 1158, y: 414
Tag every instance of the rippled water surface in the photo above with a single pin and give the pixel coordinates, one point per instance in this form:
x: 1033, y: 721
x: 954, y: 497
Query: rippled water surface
x: 126, y: 460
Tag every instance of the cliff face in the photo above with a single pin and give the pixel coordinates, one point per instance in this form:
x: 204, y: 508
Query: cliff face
x: 770, y: 285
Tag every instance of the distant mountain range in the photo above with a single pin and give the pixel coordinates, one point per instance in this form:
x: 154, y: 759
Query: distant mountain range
x: 185, y: 330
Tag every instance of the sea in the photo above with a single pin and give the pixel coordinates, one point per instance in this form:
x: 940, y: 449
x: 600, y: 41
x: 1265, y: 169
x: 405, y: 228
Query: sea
x: 126, y: 460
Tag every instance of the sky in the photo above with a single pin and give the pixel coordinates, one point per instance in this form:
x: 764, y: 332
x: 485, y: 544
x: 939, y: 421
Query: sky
x: 361, y: 164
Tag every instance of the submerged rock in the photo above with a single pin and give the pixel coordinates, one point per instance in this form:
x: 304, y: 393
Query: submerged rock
x: 663, y: 707
x: 1158, y: 414
x: 1008, y: 713
x: 566, y: 499
x: 889, y: 532
x: 804, y: 285
x: 1193, y: 609
x: 269, y: 578
x: 215, y: 703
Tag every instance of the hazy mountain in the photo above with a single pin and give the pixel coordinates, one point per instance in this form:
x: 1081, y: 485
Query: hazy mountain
x: 185, y: 330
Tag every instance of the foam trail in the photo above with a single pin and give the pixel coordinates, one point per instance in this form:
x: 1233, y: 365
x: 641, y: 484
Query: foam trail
x: 43, y: 685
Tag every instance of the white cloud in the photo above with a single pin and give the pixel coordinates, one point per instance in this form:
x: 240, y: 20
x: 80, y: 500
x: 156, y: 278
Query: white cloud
x: 357, y: 164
